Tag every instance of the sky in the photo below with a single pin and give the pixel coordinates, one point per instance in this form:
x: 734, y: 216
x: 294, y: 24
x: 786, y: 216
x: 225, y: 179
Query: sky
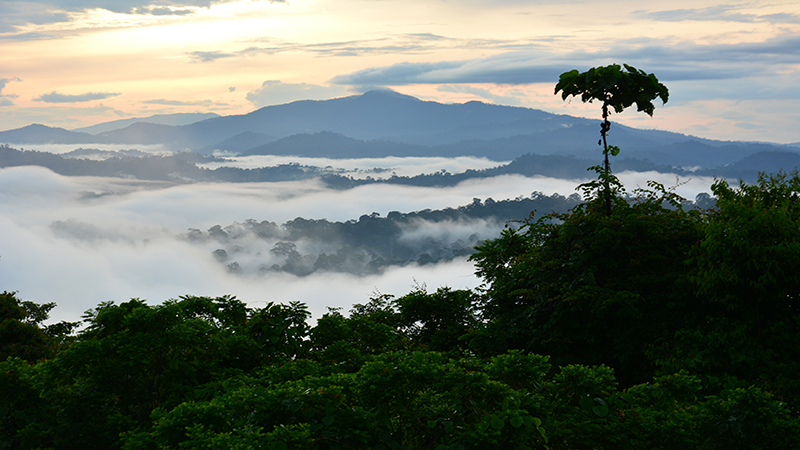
x: 732, y: 67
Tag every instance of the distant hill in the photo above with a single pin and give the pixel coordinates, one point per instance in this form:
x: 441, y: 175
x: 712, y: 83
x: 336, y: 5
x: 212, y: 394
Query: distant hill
x: 385, y: 123
x: 159, y: 119
x: 42, y: 134
x: 334, y: 145
x: 767, y: 161
x: 240, y: 143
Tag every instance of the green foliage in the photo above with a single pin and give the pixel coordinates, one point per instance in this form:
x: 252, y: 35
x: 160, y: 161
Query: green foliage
x: 692, y: 313
x: 744, y: 272
x: 589, y: 288
x: 437, y: 320
x: 22, y: 334
x: 614, y: 87
x: 617, y: 89
x: 21, y: 408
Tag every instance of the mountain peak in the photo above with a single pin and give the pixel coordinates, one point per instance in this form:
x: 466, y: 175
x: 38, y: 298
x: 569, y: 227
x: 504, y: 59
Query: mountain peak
x: 385, y: 94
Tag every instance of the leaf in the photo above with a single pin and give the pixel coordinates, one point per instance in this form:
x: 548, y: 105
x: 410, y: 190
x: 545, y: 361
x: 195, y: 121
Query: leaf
x: 278, y: 445
x: 327, y: 420
x: 497, y: 423
x: 516, y: 421
x: 600, y: 410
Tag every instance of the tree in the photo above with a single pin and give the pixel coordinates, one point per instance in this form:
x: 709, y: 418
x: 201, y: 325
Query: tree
x: 744, y: 271
x: 589, y: 288
x: 22, y: 334
x: 617, y: 89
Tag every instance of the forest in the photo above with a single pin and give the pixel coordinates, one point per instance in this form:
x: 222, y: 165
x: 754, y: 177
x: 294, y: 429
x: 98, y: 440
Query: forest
x: 627, y: 321
x: 653, y: 326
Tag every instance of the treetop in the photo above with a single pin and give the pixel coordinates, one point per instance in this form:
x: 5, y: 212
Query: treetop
x: 614, y: 86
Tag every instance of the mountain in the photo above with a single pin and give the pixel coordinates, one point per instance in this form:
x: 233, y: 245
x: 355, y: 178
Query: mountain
x: 383, y: 123
x: 42, y: 134
x: 327, y: 144
x: 159, y: 119
x: 766, y: 161
x: 384, y: 115
x: 240, y: 143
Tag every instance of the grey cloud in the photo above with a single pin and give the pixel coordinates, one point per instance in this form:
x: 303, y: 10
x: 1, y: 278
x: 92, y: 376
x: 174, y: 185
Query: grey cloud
x: 780, y: 18
x: 427, y: 36
x: 17, y: 13
x: 5, y: 81
x: 682, y: 61
x: 394, y: 75
x: 22, y: 37
x: 169, y: 12
x: 275, y: 92
x: 726, y: 13
x: 125, y: 6
x: 202, y: 56
x: 179, y: 103
x: 6, y: 99
x: 55, y: 97
x: 414, y: 43
x: 509, y: 68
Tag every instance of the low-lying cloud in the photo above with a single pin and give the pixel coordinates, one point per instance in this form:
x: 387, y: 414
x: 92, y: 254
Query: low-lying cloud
x: 363, y: 167
x: 83, y: 240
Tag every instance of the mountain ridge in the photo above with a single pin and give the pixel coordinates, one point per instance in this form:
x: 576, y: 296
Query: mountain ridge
x: 385, y: 123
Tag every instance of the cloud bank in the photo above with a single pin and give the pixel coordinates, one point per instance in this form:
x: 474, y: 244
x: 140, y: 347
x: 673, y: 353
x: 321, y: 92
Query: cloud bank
x: 681, y: 61
x: 82, y: 240
x: 56, y: 97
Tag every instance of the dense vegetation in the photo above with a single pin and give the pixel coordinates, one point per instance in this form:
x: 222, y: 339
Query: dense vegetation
x: 369, y: 244
x: 653, y: 326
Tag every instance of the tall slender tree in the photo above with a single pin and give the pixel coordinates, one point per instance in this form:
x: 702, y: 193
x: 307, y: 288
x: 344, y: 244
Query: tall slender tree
x: 618, y: 89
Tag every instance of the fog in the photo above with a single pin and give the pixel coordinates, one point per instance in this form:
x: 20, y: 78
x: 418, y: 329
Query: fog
x: 362, y: 167
x: 60, y: 149
x: 78, y: 241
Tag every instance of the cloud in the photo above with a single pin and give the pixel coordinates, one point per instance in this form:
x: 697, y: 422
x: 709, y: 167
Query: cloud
x: 232, y: 89
x: 116, y: 239
x: 362, y: 167
x: 163, y: 11
x: 716, y: 13
x: 7, y: 99
x: 5, y: 81
x: 55, y: 97
x: 160, y: 101
x: 15, y: 15
x: 670, y: 61
x: 201, y: 56
x: 274, y: 92
x: 409, y: 43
